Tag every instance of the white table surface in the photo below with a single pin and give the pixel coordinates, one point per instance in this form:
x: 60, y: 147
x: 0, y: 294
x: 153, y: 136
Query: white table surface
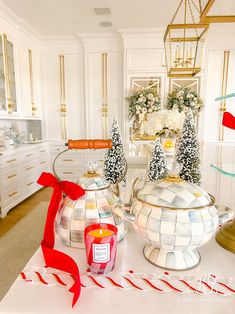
x: 37, y: 298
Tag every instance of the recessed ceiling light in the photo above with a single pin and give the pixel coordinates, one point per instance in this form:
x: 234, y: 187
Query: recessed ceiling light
x: 105, y: 24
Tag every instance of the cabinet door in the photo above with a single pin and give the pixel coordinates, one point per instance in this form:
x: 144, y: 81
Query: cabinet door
x: 95, y: 122
x: 25, y: 97
x: 73, y: 95
x: 51, y: 96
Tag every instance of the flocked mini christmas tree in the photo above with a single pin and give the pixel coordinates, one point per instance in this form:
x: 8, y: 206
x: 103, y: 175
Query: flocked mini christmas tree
x: 188, y: 152
x: 114, y: 160
x: 157, y: 168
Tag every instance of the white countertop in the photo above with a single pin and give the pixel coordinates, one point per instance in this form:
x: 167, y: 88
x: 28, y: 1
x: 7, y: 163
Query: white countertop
x: 31, y: 298
x: 18, y: 147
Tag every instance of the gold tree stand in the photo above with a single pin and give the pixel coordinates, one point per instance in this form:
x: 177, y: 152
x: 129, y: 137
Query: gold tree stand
x: 226, y: 236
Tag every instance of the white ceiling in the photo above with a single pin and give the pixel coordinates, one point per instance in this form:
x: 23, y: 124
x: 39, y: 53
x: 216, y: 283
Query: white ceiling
x: 68, y: 17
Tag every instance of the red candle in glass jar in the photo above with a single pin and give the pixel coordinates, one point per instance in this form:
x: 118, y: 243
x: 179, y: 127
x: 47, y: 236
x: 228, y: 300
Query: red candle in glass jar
x: 101, y: 247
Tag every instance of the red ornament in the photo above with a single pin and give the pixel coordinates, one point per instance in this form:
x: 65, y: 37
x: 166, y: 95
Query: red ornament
x: 101, y: 247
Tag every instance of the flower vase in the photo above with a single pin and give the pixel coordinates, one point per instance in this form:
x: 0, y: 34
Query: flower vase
x: 142, y: 119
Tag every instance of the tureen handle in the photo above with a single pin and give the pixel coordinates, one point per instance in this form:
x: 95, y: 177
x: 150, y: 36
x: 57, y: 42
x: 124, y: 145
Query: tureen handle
x: 121, y: 211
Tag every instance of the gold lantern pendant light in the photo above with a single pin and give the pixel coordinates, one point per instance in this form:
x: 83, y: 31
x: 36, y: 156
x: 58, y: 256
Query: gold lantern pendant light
x: 184, y: 43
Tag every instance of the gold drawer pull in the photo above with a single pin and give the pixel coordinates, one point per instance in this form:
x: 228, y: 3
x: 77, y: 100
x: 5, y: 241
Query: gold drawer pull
x: 42, y: 162
x: 12, y: 176
x: 30, y: 183
x: 29, y: 168
x: 67, y: 172
x: 29, y: 155
x: 67, y: 159
x: 12, y: 194
x: 43, y: 150
x: 11, y: 160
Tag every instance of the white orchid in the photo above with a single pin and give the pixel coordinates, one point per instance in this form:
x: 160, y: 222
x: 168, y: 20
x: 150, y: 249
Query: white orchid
x: 150, y: 110
x: 144, y: 110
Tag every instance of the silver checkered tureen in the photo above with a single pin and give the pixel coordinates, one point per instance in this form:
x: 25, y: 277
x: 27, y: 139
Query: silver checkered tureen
x: 175, y: 217
x: 96, y: 206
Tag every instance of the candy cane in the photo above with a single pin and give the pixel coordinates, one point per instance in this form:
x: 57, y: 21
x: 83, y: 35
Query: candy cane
x: 134, y: 281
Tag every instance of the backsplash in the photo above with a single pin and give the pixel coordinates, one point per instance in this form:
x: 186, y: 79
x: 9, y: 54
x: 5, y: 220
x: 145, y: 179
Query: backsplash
x: 19, y: 131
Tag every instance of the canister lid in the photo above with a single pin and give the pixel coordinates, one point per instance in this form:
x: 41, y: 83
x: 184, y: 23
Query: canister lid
x: 93, y: 181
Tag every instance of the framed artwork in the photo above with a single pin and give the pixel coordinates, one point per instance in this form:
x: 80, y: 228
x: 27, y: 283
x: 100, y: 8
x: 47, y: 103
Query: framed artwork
x: 146, y: 82
x: 192, y: 83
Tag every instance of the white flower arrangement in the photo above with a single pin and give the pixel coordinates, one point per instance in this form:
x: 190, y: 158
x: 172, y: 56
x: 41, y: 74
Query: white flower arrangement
x: 171, y: 119
x: 182, y: 99
x: 143, y: 101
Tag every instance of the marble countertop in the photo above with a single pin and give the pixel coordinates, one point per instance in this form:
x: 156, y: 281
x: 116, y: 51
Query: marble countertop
x: 5, y: 151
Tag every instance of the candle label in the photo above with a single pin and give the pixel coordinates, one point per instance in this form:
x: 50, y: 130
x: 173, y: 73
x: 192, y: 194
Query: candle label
x: 101, y: 253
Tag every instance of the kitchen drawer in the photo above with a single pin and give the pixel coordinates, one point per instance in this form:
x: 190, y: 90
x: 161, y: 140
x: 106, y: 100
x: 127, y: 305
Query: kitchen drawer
x: 29, y: 168
x: 28, y: 155
x: 8, y: 176
x: 43, y: 150
x: 28, y: 184
x: 10, y: 195
x: 43, y: 166
x: 8, y: 161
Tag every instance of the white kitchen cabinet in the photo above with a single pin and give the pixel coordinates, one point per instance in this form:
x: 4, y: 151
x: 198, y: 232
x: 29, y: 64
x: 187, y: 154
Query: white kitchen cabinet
x: 26, y: 105
x: 25, y: 96
x: 19, y: 172
x: 73, y: 95
x: 94, y: 99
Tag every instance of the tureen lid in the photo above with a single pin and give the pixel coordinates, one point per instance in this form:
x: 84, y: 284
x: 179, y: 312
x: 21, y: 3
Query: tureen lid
x: 174, y: 193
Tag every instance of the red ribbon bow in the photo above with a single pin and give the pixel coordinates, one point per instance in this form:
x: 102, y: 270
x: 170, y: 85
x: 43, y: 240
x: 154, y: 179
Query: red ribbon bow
x: 54, y: 258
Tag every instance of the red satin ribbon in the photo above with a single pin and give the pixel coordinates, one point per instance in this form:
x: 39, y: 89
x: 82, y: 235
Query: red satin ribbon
x: 228, y: 120
x: 54, y: 258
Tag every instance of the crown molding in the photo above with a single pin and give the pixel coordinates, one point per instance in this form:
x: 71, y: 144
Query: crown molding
x: 99, y: 37
x: 141, y: 32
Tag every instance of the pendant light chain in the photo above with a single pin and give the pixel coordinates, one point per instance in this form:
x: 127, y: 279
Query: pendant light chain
x: 191, y: 12
x: 198, y: 9
x: 176, y: 12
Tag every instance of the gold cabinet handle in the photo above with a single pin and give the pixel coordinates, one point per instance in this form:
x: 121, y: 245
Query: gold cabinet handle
x: 12, y: 194
x: 11, y: 160
x: 67, y: 172
x: 12, y: 176
x: 29, y: 155
x: 67, y: 159
x: 42, y: 162
x: 29, y: 168
x: 30, y: 183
